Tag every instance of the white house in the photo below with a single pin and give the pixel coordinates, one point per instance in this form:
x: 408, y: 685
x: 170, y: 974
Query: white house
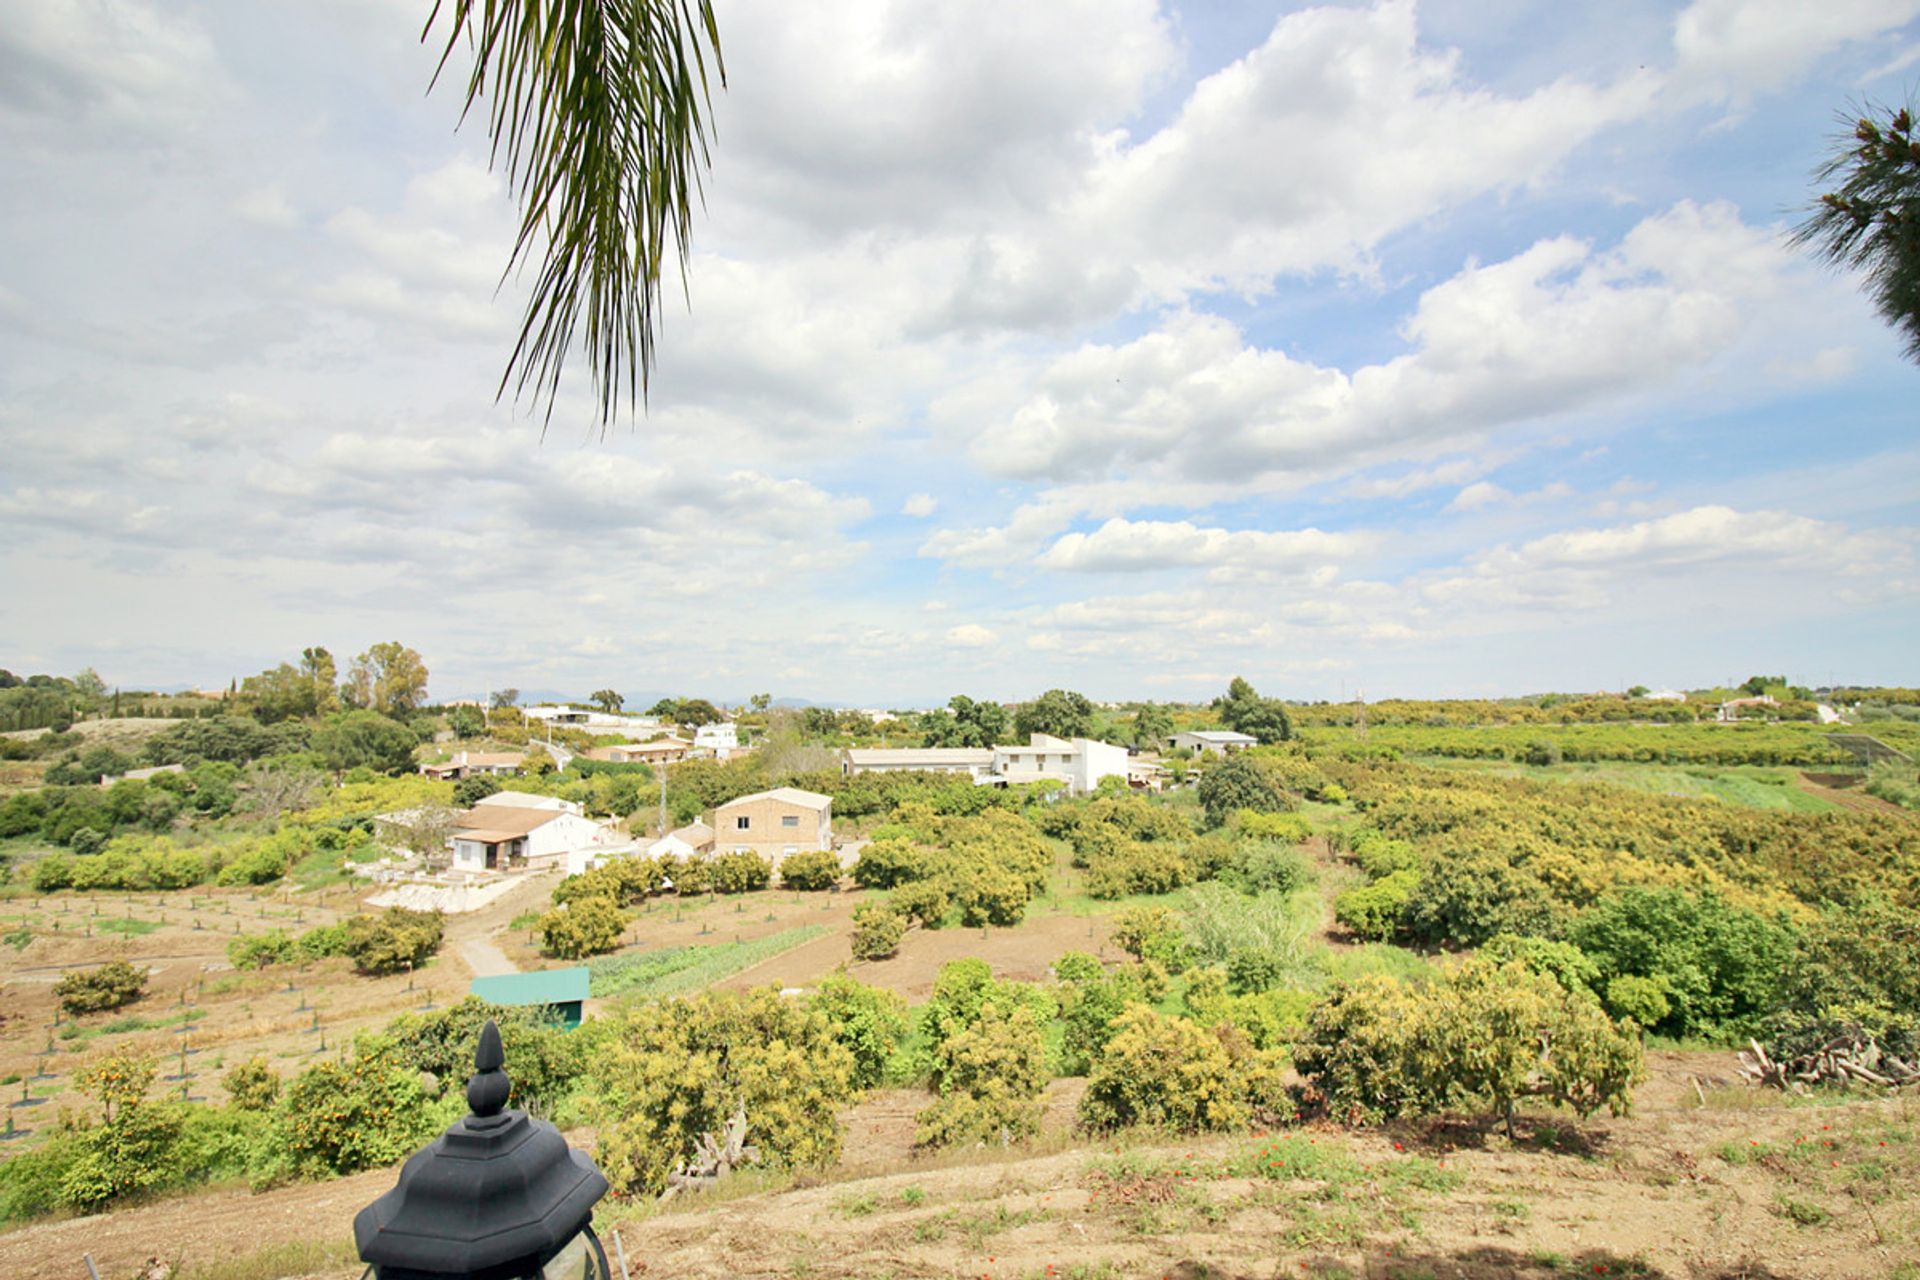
x: 1079, y: 762
x: 494, y: 836
x: 721, y: 739
x: 1218, y: 742
x: 1664, y: 695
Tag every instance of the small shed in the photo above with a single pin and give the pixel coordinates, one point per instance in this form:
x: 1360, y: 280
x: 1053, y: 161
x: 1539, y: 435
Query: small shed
x: 559, y: 991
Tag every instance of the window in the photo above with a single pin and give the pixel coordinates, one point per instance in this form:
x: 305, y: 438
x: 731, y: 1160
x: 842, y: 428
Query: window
x: 742, y: 824
x: 789, y: 820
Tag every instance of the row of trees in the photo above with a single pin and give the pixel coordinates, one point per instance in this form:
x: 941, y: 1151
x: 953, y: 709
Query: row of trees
x: 388, y: 677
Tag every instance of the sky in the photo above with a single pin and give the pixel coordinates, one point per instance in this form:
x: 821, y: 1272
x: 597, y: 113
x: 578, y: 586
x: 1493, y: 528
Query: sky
x: 1444, y: 349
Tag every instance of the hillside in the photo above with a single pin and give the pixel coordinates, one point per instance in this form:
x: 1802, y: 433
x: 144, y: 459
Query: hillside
x: 1743, y: 1186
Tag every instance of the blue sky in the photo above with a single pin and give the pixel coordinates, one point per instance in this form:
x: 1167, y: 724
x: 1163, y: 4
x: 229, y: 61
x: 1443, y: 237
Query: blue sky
x: 1420, y: 349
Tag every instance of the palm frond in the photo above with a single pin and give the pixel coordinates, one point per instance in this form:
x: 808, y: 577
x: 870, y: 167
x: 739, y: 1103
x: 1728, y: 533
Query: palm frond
x: 597, y: 113
x: 1870, y: 222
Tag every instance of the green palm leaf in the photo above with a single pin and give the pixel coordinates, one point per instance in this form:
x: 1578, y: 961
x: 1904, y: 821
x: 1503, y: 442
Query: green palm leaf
x: 596, y: 112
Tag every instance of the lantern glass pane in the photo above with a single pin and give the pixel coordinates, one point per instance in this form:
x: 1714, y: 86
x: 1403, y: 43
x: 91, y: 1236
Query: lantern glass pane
x: 580, y: 1258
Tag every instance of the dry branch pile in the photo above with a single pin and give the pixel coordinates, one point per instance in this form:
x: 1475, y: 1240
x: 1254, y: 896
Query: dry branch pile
x: 715, y: 1157
x: 1852, y: 1057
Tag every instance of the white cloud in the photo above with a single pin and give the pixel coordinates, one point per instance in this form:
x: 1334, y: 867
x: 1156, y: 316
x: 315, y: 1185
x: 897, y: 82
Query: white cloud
x: 920, y: 505
x: 1557, y: 329
x: 971, y: 635
x: 118, y: 72
x: 1737, y: 48
x: 267, y: 206
x: 1138, y: 545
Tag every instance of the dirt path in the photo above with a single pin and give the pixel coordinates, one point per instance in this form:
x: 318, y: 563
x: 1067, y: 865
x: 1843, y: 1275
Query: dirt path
x: 485, y: 959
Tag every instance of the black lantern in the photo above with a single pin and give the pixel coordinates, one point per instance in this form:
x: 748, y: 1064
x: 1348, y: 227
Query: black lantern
x: 498, y: 1196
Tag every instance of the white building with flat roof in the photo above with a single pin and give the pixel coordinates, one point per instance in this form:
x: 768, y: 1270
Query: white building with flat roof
x: 1081, y: 763
x: 1218, y: 742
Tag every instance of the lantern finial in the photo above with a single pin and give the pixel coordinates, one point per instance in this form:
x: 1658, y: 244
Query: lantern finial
x: 489, y: 1088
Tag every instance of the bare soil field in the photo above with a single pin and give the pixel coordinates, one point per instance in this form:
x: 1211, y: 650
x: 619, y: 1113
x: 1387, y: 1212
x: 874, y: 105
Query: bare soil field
x: 195, y: 1001
x: 1744, y: 1186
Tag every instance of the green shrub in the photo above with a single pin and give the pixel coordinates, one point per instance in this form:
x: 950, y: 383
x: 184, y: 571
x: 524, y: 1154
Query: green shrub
x: 1463, y: 900
x: 1642, y: 999
x: 1483, y: 1034
x: 1174, y: 1074
x: 1151, y: 933
x: 924, y: 901
x: 990, y: 1075
x: 252, y: 1085
x: 961, y: 990
x: 1268, y: 865
x: 877, y: 930
x: 1374, y: 911
x: 691, y: 875
x: 1271, y: 1019
x: 394, y: 941
x: 665, y: 1074
x: 810, y: 870
x: 1287, y: 828
x: 583, y: 927
x: 987, y: 894
x: 1565, y: 963
x: 869, y: 1021
x: 1380, y: 855
x: 131, y: 1149
x: 110, y: 986
x: 259, y: 950
x: 53, y: 873
x: 30, y: 1180
x: 887, y: 861
x: 1720, y: 966
x: 342, y: 1117
x: 1091, y: 998
x: 740, y: 872
x: 1256, y: 970
x: 1136, y: 866
x: 544, y: 1060
x: 1238, y: 783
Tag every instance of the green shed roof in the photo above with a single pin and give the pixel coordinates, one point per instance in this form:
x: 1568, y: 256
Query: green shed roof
x: 547, y: 986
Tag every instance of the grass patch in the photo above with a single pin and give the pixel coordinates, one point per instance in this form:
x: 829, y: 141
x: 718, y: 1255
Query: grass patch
x: 126, y: 925
x: 679, y: 970
x: 78, y: 1034
x: 296, y: 1258
x: 1744, y: 786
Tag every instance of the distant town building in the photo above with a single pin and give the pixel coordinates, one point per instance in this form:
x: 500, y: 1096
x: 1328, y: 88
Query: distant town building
x: 1217, y: 742
x: 668, y: 750
x: 1731, y: 709
x: 721, y: 739
x: 468, y: 764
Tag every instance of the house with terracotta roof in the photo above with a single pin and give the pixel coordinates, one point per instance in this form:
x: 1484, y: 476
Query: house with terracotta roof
x: 495, y: 837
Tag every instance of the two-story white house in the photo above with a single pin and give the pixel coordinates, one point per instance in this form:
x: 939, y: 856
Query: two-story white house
x: 1079, y: 762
